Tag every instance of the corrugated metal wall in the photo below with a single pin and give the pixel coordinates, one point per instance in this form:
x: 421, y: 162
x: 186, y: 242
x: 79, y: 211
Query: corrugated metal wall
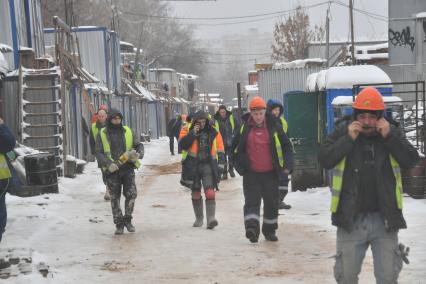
x: 274, y: 83
x: 9, y: 95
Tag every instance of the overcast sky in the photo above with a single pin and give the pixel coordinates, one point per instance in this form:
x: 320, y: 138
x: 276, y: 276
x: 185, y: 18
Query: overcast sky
x: 365, y: 27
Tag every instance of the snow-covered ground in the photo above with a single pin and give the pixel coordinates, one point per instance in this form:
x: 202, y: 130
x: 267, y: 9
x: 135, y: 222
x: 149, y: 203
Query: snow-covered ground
x: 72, y: 232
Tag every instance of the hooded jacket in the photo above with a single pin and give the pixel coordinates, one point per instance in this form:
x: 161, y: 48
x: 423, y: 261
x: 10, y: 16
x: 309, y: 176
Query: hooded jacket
x: 116, y: 138
x: 270, y: 105
x: 7, y: 143
x: 242, y: 164
x: 339, y: 145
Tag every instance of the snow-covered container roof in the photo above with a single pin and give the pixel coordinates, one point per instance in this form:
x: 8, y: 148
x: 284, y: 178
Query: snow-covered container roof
x: 300, y: 63
x: 125, y: 43
x: 145, y: 93
x: 347, y: 100
x: 311, y: 82
x: 344, y: 77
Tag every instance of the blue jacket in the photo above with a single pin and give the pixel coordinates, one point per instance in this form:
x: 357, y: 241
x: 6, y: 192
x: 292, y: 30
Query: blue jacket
x: 273, y: 104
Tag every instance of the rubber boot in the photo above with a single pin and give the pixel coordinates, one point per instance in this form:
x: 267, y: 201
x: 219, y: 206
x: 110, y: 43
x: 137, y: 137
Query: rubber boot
x: 119, y: 229
x: 199, y: 212
x: 231, y: 172
x: 210, y: 212
x: 107, y: 196
x: 128, y: 224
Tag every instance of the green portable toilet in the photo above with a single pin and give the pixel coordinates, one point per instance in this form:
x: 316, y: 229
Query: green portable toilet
x: 305, y: 115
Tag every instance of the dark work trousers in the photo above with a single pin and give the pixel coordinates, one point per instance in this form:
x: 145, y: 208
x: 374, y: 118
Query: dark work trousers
x: 283, y: 186
x: 229, y: 165
x: 258, y: 186
x: 116, y: 183
x: 172, y: 144
x: 3, y: 212
x: 204, y: 176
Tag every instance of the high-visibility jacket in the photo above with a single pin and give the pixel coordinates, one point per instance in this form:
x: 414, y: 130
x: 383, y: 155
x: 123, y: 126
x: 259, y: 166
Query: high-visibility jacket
x: 128, y: 135
x: 217, y: 146
x: 5, y: 172
x: 337, y: 183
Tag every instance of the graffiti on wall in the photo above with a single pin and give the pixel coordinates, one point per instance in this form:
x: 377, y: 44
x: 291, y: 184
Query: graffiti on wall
x: 402, y: 38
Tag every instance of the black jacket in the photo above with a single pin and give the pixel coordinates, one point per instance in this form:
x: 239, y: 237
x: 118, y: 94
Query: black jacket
x: 189, y: 165
x: 339, y: 145
x: 240, y: 142
x: 225, y: 128
x: 174, y: 126
x: 117, y: 143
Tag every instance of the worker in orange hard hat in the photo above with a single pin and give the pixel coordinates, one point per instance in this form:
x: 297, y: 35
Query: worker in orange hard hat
x: 366, y: 152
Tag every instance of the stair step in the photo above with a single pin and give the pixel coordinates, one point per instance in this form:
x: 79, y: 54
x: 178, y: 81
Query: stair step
x: 42, y: 103
x: 42, y: 114
x: 42, y: 137
x: 41, y: 88
x: 42, y: 125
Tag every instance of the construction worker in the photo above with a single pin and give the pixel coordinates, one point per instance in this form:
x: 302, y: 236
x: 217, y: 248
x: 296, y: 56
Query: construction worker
x: 173, y: 131
x: 262, y: 151
x: 203, y: 161
x: 366, y: 152
x: 7, y: 143
x: 226, y: 125
x: 118, y: 151
x: 101, y: 118
x: 276, y: 109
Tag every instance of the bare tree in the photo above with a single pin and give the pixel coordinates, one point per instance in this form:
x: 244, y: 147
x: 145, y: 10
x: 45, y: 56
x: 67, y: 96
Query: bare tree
x: 292, y: 37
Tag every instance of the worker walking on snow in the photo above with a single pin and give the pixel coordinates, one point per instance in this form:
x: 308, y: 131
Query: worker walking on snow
x: 118, y: 151
x: 262, y: 151
x: 173, y: 130
x: 203, y: 162
x: 366, y: 152
x: 276, y: 109
x: 226, y: 125
x: 101, y: 118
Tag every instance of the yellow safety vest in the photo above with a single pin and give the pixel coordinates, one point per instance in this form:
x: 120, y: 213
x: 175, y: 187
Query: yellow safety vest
x: 337, y: 182
x: 284, y: 124
x: 231, y: 120
x: 5, y: 172
x: 185, y: 152
x: 277, y: 147
x: 94, y: 130
x: 128, y: 135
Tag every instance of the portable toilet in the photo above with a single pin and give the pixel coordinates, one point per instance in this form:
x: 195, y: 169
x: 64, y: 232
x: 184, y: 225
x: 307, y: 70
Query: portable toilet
x: 339, y: 81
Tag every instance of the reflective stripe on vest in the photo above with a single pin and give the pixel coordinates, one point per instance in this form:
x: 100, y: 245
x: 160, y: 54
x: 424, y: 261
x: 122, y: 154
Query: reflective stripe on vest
x: 94, y: 130
x: 5, y: 172
x: 186, y: 153
x: 284, y: 124
x: 128, y: 136
x: 277, y: 147
x: 337, y: 182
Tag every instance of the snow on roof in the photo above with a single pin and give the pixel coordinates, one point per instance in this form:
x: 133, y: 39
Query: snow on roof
x: 347, y: 100
x: 311, y: 82
x: 188, y: 76
x: 162, y: 69
x: 96, y: 86
x: 4, y: 66
x: 212, y: 95
x: 421, y: 15
x: 300, y: 63
x: 366, y: 48
x: 5, y: 48
x: 370, y: 56
x: 145, y: 93
x: 344, y: 77
x: 321, y: 80
x: 126, y: 43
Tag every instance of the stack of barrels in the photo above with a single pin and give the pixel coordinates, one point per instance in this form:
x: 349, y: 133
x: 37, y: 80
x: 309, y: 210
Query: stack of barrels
x: 41, y: 173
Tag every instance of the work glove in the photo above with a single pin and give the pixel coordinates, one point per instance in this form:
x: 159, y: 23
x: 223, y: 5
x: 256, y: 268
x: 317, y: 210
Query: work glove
x: 133, y: 156
x: 113, y: 167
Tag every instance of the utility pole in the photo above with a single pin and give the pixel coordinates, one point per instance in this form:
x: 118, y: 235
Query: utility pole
x: 240, y: 111
x: 327, y: 35
x: 351, y: 15
x: 136, y: 67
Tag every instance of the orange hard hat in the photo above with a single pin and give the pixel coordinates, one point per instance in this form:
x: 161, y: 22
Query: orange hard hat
x: 257, y: 103
x: 369, y: 99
